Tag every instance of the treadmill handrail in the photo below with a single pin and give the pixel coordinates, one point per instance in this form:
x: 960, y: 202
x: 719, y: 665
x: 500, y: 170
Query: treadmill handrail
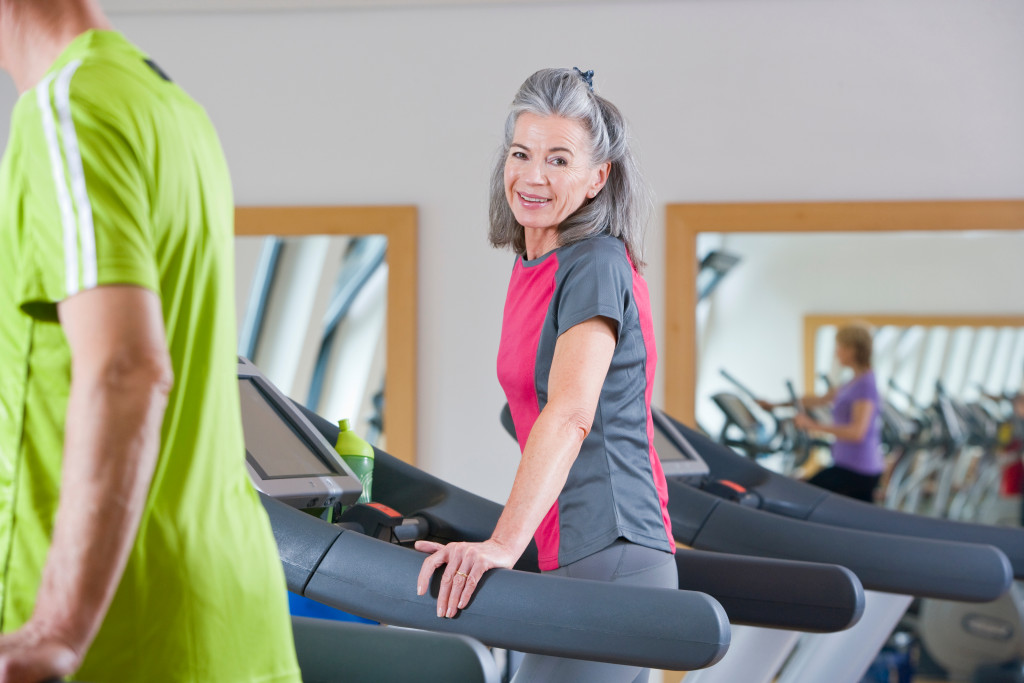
x: 649, y: 627
x: 883, y: 562
x: 800, y: 500
x: 775, y: 593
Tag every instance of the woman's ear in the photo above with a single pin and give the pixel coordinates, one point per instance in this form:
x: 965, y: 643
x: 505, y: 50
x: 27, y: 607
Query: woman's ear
x: 599, y: 179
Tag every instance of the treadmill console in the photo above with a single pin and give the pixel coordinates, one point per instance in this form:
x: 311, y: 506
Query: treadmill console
x: 679, y: 459
x: 287, y: 458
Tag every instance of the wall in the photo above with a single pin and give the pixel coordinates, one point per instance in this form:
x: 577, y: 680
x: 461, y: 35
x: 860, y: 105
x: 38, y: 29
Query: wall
x: 730, y: 100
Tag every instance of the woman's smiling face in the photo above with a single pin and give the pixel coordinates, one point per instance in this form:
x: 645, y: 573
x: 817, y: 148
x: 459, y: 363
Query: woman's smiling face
x: 549, y: 172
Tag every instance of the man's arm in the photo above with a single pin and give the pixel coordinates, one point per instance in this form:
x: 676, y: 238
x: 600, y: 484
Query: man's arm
x: 120, y: 379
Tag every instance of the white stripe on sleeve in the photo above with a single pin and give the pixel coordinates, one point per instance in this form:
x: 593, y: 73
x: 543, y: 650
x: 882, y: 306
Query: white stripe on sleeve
x: 67, y: 216
x: 83, y: 207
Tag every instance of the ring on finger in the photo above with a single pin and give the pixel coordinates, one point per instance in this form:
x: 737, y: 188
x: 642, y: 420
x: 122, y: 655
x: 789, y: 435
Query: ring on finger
x: 462, y: 574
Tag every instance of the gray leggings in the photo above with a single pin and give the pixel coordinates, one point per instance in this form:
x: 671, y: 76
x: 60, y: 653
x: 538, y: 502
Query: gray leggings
x: 621, y: 562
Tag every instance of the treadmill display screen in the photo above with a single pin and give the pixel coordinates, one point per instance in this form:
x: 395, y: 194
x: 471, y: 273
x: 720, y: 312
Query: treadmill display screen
x: 678, y: 457
x: 666, y: 449
x: 272, y: 445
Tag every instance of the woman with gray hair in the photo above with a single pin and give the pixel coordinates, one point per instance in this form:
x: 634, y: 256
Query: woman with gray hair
x: 576, y: 361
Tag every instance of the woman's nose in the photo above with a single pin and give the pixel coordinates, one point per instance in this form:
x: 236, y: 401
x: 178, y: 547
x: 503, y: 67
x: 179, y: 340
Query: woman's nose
x: 535, y: 172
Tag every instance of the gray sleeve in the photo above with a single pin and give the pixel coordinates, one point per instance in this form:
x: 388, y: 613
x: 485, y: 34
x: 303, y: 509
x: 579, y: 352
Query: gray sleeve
x: 597, y: 281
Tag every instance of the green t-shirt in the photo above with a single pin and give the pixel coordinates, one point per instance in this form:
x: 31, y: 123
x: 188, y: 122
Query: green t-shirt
x: 113, y: 175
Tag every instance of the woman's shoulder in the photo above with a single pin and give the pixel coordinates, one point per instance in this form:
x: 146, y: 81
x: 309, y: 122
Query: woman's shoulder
x: 599, y: 248
x: 863, y: 386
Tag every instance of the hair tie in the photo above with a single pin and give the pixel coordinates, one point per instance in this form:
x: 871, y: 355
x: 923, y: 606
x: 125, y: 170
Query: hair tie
x: 587, y: 76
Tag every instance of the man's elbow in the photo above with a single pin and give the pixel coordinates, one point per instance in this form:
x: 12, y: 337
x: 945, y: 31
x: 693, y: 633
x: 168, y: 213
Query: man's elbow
x: 162, y: 376
x: 136, y: 370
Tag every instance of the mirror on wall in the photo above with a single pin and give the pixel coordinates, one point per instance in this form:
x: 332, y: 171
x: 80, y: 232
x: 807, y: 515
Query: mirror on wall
x: 788, y: 261
x: 326, y: 308
x: 312, y: 317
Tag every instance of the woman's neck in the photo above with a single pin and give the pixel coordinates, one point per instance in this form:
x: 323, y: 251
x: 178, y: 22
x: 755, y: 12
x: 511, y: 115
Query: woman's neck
x: 540, y: 242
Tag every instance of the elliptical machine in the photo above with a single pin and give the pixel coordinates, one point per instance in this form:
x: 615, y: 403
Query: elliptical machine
x: 784, y: 448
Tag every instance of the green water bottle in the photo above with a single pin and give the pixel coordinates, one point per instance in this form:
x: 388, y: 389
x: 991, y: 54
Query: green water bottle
x: 358, y: 455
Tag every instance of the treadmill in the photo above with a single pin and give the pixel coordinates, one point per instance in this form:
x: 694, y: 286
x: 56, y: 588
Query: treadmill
x: 352, y: 567
x: 290, y: 463
x: 764, y: 490
x: 730, y: 514
x: 897, y: 557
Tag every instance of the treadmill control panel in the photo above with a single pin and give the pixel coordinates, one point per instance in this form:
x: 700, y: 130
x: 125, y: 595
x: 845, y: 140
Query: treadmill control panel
x: 287, y: 458
x: 679, y: 459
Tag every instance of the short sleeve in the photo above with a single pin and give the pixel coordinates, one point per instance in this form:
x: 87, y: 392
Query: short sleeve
x: 863, y: 389
x: 88, y: 214
x: 597, y: 282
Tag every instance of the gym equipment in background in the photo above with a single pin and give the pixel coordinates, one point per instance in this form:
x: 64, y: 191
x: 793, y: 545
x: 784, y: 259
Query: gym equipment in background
x: 783, y: 448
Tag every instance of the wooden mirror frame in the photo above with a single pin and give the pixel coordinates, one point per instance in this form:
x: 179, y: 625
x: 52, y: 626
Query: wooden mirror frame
x: 683, y: 222
x: 399, y: 225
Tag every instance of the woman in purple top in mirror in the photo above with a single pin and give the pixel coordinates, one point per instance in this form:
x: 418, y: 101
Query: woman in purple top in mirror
x: 857, y: 451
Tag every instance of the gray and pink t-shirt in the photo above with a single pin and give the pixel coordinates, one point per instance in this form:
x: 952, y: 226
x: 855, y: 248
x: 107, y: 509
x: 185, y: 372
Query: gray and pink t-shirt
x: 864, y: 456
x: 616, y: 487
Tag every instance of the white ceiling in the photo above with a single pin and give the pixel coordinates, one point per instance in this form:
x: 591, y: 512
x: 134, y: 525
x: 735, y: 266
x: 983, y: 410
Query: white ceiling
x: 155, y: 6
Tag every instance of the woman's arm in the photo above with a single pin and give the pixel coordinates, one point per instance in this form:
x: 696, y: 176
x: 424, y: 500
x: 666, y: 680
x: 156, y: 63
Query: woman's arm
x: 578, y: 369
x: 809, y: 401
x: 854, y: 430
x: 816, y: 401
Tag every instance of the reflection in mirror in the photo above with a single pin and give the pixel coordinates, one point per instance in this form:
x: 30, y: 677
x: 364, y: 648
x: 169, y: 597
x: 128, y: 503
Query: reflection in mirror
x: 752, y: 325
x: 839, y: 256
x: 950, y: 410
x: 973, y: 357
x: 326, y: 279
x: 313, y: 319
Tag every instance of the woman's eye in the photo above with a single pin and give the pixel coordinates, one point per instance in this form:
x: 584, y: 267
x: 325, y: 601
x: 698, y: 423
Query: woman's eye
x: 518, y: 155
x: 559, y: 161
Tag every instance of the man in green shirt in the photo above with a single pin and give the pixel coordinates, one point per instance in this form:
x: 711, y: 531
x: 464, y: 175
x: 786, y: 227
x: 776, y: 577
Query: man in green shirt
x: 132, y: 545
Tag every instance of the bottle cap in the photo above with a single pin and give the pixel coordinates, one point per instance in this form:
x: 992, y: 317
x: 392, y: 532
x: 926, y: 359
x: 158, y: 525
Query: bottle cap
x: 351, y: 444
